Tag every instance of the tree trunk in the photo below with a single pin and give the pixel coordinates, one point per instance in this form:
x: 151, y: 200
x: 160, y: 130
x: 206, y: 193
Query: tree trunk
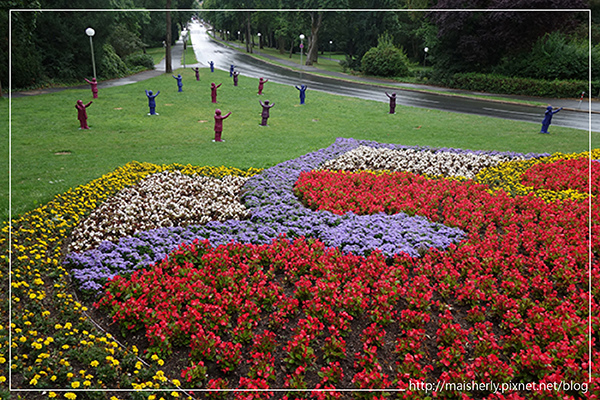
x: 312, y: 55
x: 248, y: 34
x: 168, y: 66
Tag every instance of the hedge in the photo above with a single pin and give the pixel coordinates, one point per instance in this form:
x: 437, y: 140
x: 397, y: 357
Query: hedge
x: 499, y: 84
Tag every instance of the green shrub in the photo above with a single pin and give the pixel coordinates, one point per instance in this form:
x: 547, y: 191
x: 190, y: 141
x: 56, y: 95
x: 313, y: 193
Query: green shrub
x: 385, y: 59
x: 493, y: 83
x: 139, y: 60
x: 111, y: 64
x: 553, y: 56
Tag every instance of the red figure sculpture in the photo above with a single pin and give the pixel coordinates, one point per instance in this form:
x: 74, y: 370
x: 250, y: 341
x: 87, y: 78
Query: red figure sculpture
x: 94, y: 86
x: 213, y: 91
x: 197, y: 71
x: 265, y: 111
x: 392, y: 98
x: 219, y: 124
x: 235, y: 78
x: 261, y: 85
x: 82, y: 114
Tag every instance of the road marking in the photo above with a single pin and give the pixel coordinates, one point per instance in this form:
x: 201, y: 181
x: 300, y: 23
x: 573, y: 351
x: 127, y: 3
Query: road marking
x: 511, y: 112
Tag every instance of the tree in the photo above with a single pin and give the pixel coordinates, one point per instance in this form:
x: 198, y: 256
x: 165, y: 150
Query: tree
x: 476, y: 41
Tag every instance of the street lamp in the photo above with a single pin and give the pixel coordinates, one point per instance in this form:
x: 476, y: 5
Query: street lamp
x: 301, y: 47
x: 330, y: 43
x: 90, y: 32
x: 259, y: 35
x: 426, y: 50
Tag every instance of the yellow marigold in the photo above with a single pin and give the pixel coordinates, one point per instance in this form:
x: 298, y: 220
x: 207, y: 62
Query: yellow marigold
x: 70, y: 396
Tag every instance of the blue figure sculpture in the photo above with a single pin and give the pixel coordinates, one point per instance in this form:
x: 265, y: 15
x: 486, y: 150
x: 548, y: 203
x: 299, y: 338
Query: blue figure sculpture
x: 302, y: 90
x: 179, y: 82
x: 231, y: 68
x: 548, y: 119
x: 212, y: 66
x: 152, y: 102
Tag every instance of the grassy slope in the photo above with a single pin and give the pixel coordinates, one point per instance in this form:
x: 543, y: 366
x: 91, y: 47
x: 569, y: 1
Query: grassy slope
x: 45, y: 125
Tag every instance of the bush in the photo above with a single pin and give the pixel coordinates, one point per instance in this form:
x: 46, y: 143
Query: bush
x: 553, y: 56
x: 492, y: 83
x: 139, y: 60
x: 111, y: 64
x: 385, y: 59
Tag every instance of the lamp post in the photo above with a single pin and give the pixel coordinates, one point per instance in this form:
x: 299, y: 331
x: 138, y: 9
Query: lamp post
x: 301, y: 47
x: 330, y: 43
x: 259, y: 35
x: 90, y: 32
x: 426, y: 50
x: 239, y: 35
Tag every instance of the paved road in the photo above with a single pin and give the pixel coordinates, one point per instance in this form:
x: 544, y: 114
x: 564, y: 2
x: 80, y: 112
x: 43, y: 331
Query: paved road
x: 208, y: 49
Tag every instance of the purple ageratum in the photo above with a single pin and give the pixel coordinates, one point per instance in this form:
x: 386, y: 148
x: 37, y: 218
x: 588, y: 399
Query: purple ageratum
x: 276, y: 211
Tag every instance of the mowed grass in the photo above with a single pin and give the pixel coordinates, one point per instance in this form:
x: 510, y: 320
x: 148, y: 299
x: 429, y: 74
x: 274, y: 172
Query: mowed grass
x: 49, y: 154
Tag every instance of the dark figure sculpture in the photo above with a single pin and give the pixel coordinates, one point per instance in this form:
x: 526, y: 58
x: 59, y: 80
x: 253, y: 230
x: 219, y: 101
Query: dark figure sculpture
x: 235, y: 78
x: 94, y: 86
x: 231, y: 68
x: 392, y: 98
x: 548, y: 119
x: 302, y: 90
x: 261, y: 85
x: 213, y: 91
x: 179, y: 82
x: 152, y: 102
x: 219, y: 124
x: 82, y: 114
x: 212, y: 66
x: 265, y: 111
x: 197, y: 71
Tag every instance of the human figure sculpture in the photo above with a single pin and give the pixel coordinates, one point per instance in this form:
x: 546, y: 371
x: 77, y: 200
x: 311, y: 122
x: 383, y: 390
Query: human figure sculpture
x: 302, y: 90
x: 82, y: 114
x: 94, y: 86
x: 219, y: 124
x: 265, y: 111
x: 197, y: 71
x: 231, y: 68
x: 179, y: 82
x: 548, y: 118
x: 261, y: 85
x: 392, y: 98
x: 213, y: 91
x: 235, y: 78
x: 212, y: 66
x: 152, y: 102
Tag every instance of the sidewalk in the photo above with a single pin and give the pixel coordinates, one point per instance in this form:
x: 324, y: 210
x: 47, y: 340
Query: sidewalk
x: 160, y: 68
x: 567, y: 104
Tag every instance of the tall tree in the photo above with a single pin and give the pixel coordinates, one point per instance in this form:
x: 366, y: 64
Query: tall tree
x: 168, y: 66
x: 476, y: 41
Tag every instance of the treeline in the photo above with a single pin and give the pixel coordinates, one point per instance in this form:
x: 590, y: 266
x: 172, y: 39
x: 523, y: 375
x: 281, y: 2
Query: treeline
x: 536, y: 45
x: 52, y: 46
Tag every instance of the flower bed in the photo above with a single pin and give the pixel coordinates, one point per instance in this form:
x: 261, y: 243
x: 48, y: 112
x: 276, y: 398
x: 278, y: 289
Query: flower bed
x: 507, y: 302
x: 54, y: 344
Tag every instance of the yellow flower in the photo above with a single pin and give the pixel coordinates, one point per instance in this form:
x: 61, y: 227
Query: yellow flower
x: 160, y: 362
x: 174, y: 394
x: 70, y: 395
x: 52, y: 395
x: 94, y: 363
x: 176, y: 382
x: 75, y: 384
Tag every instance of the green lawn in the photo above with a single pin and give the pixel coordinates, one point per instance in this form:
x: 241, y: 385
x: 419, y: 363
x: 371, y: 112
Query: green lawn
x: 50, y: 154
